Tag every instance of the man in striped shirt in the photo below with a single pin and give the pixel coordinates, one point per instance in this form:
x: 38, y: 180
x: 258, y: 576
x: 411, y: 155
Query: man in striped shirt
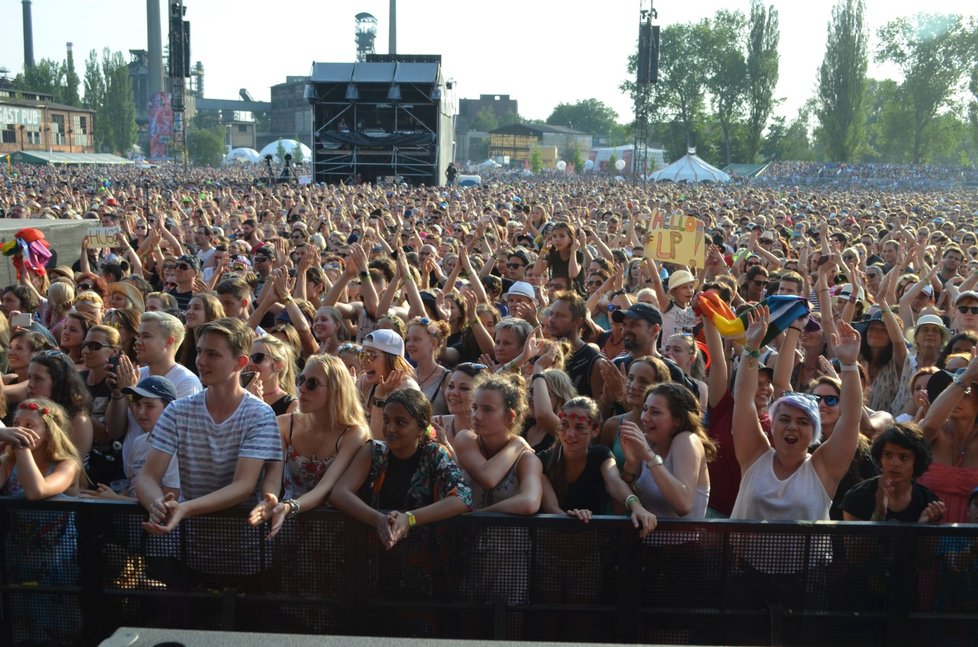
x: 222, y: 436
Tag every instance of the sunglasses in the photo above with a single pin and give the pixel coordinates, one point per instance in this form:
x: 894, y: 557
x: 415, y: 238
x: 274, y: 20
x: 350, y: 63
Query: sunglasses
x: 183, y: 267
x: 514, y: 266
x: 310, y: 383
x: 968, y: 309
x: 612, y: 307
x: 86, y: 286
x: 367, y: 357
x: 349, y: 348
x: 257, y: 358
x: 759, y: 284
x: 829, y: 400
x: 96, y: 345
x: 471, y: 368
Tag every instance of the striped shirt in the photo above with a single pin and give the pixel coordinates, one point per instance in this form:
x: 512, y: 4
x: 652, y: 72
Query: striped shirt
x: 208, y: 451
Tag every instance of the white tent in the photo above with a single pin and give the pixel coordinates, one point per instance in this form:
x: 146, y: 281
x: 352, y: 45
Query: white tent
x: 690, y: 169
x: 289, y: 145
x: 242, y: 155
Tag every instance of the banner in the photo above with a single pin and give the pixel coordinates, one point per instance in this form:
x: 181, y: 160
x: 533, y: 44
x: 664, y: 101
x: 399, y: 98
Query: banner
x: 103, y: 236
x: 678, y: 239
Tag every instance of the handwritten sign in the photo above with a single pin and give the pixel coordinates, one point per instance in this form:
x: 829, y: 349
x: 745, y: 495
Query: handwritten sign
x: 104, y: 236
x: 676, y: 238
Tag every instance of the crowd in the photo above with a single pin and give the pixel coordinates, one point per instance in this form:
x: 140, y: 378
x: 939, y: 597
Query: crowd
x: 407, y: 354
x: 866, y: 175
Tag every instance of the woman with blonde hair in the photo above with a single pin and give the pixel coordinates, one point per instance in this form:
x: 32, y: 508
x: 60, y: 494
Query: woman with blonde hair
x: 424, y: 345
x: 161, y: 301
x: 550, y: 388
x: 126, y: 321
x: 89, y: 303
x: 319, y: 442
x: 38, y: 459
x: 330, y: 329
x: 274, y: 362
x: 61, y: 298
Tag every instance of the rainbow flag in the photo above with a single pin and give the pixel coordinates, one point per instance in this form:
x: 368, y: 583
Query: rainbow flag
x: 784, y: 310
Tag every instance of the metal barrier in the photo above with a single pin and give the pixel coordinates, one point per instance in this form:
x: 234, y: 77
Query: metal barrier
x: 71, y: 572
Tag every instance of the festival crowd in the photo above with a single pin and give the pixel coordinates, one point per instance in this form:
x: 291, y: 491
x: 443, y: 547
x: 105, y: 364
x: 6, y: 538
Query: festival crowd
x: 408, y: 354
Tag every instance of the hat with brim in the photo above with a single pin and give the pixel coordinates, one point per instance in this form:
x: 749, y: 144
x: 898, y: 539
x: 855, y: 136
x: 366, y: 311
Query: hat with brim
x: 521, y: 289
x: 928, y: 320
x: 643, y: 311
x: 386, y: 341
x: 155, y: 387
x: 680, y: 277
x: 130, y: 291
x: 940, y: 381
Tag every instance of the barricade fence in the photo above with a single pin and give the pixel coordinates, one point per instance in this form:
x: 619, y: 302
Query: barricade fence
x: 74, y: 571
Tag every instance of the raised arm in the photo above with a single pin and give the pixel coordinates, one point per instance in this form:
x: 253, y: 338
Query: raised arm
x: 941, y: 408
x: 717, y: 381
x: 750, y: 443
x: 786, y: 357
x: 832, y: 458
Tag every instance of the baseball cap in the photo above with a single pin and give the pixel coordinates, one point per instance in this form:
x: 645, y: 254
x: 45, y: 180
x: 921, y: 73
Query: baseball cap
x: 644, y: 311
x: 967, y: 294
x: 387, y: 341
x: 190, y: 260
x: 156, y: 387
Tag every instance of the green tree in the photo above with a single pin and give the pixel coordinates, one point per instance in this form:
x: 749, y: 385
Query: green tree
x: 577, y: 159
x: 536, y: 160
x: 280, y: 152
x: 119, y: 109
x: 973, y: 104
x: 45, y: 76
x: 485, y: 120
x: 588, y: 116
x: 205, y: 146
x: 887, y: 123
x: 680, y: 93
x: 842, y: 81
x: 762, y: 72
x: 789, y: 141
x: 726, y: 78
x: 72, y: 82
x: 932, y: 52
x: 94, y: 84
x: 297, y: 156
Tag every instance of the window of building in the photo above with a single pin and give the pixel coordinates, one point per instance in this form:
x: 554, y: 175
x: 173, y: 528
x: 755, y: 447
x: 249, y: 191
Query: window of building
x: 9, y: 135
x: 242, y: 128
x: 58, y: 129
x: 34, y: 137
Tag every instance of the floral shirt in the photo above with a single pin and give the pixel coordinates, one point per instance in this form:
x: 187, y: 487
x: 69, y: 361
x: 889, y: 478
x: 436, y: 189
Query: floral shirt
x: 438, y: 477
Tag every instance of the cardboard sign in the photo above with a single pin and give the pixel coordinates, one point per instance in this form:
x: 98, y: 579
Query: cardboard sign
x: 104, y: 236
x: 678, y: 239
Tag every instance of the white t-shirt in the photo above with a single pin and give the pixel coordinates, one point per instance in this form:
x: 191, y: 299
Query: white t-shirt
x: 134, y: 461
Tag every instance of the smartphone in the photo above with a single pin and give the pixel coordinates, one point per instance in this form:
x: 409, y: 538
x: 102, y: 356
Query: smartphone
x: 247, y: 377
x: 21, y: 320
x: 113, y: 362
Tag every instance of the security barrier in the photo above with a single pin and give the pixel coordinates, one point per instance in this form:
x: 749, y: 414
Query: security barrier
x: 71, y: 572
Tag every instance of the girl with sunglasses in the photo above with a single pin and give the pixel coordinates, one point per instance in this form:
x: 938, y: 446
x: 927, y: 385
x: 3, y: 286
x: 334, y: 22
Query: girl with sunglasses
x: 100, y: 347
x: 319, y: 442
x: 273, y: 361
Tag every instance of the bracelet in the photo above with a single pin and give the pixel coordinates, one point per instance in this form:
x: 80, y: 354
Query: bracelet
x: 364, y: 275
x: 629, y: 499
x: 538, y: 375
x: 628, y: 477
x: 752, y: 353
x: 412, y: 520
x: 794, y: 328
x: 845, y: 368
x: 287, y: 299
x: 655, y: 461
x: 293, y: 507
x: 377, y: 402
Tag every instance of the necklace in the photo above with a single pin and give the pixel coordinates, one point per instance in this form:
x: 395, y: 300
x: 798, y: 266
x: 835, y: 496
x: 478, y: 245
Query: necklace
x: 425, y: 380
x: 958, y: 449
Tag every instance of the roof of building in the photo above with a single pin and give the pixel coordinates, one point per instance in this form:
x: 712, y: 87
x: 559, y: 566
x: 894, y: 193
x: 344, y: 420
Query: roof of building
x: 10, y: 101
x: 43, y: 157
x: 535, y: 129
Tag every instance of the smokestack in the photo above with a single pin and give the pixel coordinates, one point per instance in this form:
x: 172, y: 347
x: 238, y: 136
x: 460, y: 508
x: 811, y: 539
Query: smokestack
x: 392, y: 42
x: 29, y: 36
x: 154, y: 45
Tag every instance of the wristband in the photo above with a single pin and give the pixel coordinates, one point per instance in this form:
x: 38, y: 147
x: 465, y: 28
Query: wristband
x: 538, y: 375
x: 628, y: 501
x: 293, y: 507
x: 364, y: 275
x: 752, y: 353
x: 287, y: 299
x: 412, y: 520
x: 847, y: 368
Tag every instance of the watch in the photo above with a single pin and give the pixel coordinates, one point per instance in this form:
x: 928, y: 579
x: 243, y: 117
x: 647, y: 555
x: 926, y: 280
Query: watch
x: 654, y: 461
x: 967, y: 387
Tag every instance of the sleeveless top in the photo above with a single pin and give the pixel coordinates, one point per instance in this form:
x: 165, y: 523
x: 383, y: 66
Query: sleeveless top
x: 303, y: 474
x: 281, y: 405
x: 655, y: 502
x: 436, y: 394
x: 953, y: 486
x: 765, y: 497
x: 505, y: 489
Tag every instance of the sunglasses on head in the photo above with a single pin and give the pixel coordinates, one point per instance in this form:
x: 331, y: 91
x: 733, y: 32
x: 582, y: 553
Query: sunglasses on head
x: 349, y: 348
x: 471, y: 368
x: 968, y: 309
x: 310, y: 383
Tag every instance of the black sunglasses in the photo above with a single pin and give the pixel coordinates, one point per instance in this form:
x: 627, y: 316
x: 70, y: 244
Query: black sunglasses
x: 257, y: 358
x: 514, y: 266
x: 85, y: 286
x: 968, y: 309
x: 96, y: 345
x: 183, y: 267
x: 310, y: 383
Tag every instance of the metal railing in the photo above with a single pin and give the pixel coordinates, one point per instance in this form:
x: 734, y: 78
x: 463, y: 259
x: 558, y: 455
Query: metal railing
x: 72, y: 572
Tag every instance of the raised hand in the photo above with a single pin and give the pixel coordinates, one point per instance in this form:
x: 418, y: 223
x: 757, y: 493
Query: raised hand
x: 846, y: 343
x: 758, y: 320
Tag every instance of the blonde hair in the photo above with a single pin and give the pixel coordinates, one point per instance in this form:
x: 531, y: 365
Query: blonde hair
x: 59, y: 446
x: 344, y: 408
x: 90, y: 296
x: 111, y: 334
x: 559, y: 385
x: 61, y: 296
x: 282, y: 353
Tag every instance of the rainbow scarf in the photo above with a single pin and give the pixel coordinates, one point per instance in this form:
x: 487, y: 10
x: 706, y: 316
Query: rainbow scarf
x: 784, y: 310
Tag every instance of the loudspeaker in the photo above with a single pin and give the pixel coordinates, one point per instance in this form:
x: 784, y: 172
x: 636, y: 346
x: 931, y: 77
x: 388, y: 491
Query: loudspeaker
x: 648, y: 53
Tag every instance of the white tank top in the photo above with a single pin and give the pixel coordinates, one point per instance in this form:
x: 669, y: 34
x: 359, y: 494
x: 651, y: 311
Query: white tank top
x: 765, y: 497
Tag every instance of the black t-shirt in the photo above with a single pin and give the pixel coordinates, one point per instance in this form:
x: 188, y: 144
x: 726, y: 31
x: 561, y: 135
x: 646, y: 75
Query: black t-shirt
x: 588, y: 491
x: 183, y: 298
x: 860, y: 502
x: 397, y: 480
x: 579, y: 367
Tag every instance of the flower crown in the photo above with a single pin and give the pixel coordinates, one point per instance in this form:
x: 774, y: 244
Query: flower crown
x: 32, y: 406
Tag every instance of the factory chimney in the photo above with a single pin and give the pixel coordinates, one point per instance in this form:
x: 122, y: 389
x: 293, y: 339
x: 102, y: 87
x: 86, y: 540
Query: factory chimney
x: 154, y: 38
x: 29, y: 36
x: 392, y: 36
